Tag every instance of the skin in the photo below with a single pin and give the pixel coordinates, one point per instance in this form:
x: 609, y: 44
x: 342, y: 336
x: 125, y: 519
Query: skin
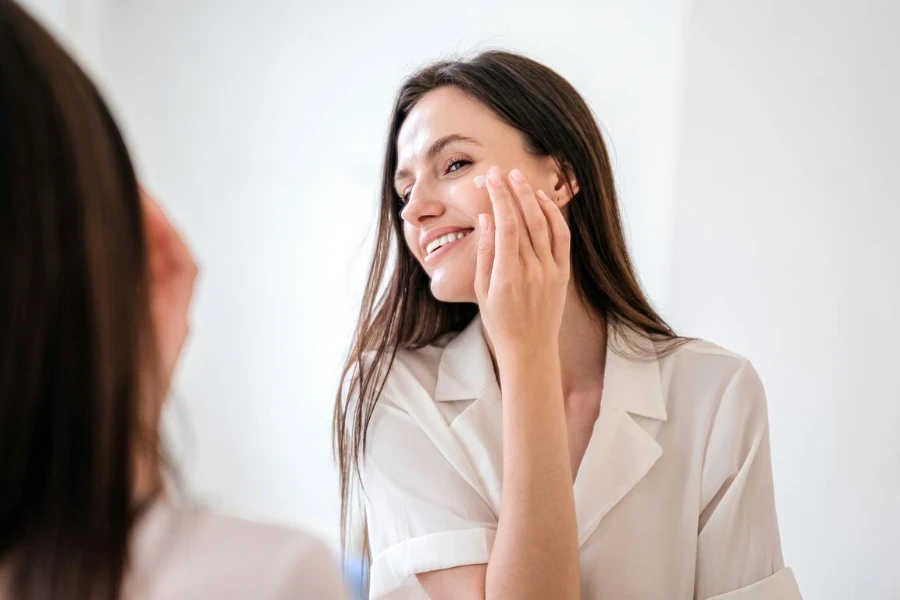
x: 548, y: 351
x: 440, y: 192
x: 173, y: 274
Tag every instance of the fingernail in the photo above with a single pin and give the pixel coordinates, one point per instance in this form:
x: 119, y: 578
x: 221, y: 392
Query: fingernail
x: 479, y: 181
x: 493, y: 177
x: 543, y: 195
x: 516, y: 175
x: 483, y: 222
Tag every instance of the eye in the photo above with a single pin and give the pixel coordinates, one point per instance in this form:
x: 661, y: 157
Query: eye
x: 403, y: 199
x: 456, y: 164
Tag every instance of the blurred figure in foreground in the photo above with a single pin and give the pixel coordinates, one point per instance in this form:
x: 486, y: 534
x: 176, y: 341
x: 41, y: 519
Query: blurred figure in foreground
x: 93, y: 316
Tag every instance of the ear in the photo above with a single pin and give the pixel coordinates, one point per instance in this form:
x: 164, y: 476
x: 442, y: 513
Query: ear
x: 558, y: 180
x: 566, y: 185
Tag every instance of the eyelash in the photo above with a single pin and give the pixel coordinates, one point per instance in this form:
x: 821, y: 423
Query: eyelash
x: 454, y: 160
x: 447, y: 170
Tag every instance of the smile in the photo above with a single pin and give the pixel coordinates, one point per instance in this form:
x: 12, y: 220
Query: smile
x: 439, y: 246
x: 444, y: 240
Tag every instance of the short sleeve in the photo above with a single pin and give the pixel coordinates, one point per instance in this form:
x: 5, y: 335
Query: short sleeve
x: 422, y: 514
x: 739, y: 548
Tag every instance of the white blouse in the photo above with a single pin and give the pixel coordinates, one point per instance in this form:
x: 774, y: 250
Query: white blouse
x: 674, y: 496
x: 189, y: 552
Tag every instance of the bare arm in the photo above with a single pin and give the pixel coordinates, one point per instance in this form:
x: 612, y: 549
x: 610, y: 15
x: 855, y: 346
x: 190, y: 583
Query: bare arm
x: 535, y: 553
x: 521, y: 294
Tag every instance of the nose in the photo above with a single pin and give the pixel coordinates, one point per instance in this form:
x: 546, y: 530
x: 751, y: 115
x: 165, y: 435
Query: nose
x: 421, y: 207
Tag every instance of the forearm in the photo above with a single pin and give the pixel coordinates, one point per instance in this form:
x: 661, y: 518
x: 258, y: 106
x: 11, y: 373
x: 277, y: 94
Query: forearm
x: 535, y: 553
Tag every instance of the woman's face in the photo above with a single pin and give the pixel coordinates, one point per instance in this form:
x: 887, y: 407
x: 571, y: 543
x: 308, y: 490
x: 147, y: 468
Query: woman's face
x: 446, y: 141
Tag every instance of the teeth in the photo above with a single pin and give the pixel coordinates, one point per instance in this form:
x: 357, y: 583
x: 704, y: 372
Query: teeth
x: 444, y: 240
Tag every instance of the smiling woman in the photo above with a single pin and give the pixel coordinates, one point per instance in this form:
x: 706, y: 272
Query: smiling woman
x: 435, y: 182
x: 522, y: 421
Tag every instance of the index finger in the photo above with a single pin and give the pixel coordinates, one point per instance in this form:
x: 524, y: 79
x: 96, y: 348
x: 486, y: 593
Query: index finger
x: 506, y: 218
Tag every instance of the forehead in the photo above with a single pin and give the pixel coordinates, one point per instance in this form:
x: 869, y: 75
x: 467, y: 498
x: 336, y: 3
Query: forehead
x: 447, y: 111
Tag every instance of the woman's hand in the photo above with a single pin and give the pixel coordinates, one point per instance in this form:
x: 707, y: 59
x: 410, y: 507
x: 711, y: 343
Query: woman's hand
x: 173, y: 273
x: 521, y: 282
x: 522, y: 267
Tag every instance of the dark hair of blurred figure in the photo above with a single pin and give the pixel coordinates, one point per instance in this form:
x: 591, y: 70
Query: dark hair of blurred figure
x: 77, y: 368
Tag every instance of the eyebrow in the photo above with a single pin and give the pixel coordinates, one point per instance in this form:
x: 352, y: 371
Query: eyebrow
x: 436, y: 149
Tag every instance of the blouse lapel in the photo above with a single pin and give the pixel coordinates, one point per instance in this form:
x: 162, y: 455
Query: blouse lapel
x: 620, y: 452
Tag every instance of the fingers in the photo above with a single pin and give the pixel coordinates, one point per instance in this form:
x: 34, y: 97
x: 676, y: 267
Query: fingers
x: 526, y: 223
x: 536, y: 221
x: 559, y: 230
x: 506, y: 221
x: 173, y: 274
x: 167, y: 248
x: 484, y: 260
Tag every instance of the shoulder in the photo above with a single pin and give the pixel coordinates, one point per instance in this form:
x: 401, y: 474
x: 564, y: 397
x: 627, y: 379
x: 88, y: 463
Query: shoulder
x: 701, y: 374
x: 214, y: 527
x: 413, y: 375
x: 417, y: 367
x: 198, y: 552
x: 705, y: 364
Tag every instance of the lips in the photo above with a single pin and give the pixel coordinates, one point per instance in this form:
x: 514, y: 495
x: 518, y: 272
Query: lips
x: 444, y: 240
x: 439, y: 241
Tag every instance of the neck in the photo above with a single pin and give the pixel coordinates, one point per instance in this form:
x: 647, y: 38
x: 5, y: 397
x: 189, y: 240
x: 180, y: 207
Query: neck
x: 582, y: 348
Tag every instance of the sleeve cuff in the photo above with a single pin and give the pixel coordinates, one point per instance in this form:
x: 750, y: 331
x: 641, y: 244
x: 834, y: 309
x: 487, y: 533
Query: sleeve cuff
x: 431, y: 552
x: 780, y: 586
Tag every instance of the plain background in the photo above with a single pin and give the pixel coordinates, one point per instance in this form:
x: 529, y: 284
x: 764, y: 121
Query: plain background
x: 786, y: 248
x: 754, y: 145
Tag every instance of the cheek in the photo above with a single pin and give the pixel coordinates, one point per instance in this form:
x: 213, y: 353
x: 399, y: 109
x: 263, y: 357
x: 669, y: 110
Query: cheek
x: 469, y: 200
x: 411, y: 235
x: 484, y: 206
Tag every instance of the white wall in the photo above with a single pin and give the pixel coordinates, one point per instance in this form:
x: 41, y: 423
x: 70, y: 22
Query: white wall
x: 73, y: 22
x: 786, y: 249
x: 51, y: 13
x: 261, y: 127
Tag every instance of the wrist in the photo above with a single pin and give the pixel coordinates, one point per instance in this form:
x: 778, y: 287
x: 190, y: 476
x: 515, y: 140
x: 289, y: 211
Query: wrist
x: 529, y: 359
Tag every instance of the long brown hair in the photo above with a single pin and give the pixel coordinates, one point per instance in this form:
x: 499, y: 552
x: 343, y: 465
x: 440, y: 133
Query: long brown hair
x: 398, y: 310
x: 74, y: 324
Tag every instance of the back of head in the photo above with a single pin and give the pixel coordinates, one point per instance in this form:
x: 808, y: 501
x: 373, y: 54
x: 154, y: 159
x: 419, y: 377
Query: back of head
x: 74, y: 313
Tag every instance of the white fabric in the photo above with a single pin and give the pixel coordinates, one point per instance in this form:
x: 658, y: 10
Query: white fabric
x: 780, y: 586
x: 674, y: 496
x: 190, y: 552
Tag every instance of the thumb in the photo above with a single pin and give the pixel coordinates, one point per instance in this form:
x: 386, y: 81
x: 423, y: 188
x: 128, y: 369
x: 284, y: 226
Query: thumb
x: 484, y: 261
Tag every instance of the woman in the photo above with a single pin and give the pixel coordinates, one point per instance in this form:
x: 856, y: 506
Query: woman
x: 93, y: 315
x: 619, y: 460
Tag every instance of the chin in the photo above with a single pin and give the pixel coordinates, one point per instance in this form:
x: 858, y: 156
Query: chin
x: 453, y: 290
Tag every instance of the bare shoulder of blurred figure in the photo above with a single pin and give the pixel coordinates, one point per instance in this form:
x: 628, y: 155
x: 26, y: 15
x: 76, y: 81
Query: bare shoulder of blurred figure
x: 93, y: 314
